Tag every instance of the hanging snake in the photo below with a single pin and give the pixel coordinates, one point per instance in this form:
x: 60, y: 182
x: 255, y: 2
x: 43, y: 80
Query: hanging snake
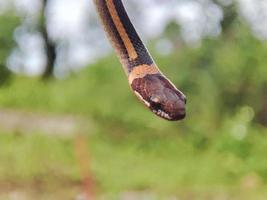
x: 145, y: 78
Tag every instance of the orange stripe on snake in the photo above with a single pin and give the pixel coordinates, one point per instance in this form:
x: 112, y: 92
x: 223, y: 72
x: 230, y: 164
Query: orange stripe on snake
x: 120, y: 28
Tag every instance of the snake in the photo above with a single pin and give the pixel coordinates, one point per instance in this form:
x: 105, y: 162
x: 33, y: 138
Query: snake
x: 146, y: 80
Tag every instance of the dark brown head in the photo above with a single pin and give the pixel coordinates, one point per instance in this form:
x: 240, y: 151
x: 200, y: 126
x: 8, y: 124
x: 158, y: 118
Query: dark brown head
x: 160, y: 96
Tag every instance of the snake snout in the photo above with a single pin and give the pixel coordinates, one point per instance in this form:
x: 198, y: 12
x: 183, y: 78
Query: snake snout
x: 177, y: 109
x: 170, y: 106
x: 179, y: 113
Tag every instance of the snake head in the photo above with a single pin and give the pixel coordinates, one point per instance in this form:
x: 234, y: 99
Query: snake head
x: 161, y: 96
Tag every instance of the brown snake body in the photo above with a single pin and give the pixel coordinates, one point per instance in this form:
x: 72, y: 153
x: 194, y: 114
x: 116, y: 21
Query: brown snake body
x: 144, y: 77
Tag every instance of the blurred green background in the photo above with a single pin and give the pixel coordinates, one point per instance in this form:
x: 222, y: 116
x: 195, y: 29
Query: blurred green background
x: 217, y: 153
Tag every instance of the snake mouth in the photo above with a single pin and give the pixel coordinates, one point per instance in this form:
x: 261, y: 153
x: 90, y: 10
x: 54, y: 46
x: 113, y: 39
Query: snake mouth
x: 178, y: 115
x: 162, y: 114
x: 167, y: 112
x: 157, y: 108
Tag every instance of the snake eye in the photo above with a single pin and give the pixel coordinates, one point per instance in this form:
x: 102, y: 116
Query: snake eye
x: 156, y: 105
x: 155, y: 102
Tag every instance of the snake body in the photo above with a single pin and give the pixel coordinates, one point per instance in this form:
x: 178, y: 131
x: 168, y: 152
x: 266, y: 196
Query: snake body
x: 145, y: 79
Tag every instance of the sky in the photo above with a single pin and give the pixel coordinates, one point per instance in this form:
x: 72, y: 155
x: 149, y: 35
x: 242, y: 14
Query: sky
x: 74, y: 25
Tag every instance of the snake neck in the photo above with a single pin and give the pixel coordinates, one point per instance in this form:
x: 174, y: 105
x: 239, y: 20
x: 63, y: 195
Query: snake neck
x: 122, y: 34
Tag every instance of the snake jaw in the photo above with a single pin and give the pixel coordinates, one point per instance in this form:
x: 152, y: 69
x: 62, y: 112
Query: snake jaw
x: 158, y: 112
x: 160, y: 96
x: 142, y: 99
x: 169, y: 112
x: 156, y: 107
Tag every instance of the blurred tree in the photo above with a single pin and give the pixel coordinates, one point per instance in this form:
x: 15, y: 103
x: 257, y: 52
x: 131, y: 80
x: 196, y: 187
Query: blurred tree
x: 49, y: 45
x: 261, y: 115
x: 173, y: 33
x: 8, y: 25
x: 230, y: 15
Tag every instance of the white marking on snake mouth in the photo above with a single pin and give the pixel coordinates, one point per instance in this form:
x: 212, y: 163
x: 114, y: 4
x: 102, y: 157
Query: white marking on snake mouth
x: 140, y: 97
x: 162, y: 114
x: 157, y: 112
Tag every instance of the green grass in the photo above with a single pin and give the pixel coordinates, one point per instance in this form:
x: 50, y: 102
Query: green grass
x: 27, y: 158
x: 165, y: 165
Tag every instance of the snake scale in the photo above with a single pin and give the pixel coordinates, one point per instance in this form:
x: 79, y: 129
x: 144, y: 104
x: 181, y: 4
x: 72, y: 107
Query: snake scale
x: 145, y: 79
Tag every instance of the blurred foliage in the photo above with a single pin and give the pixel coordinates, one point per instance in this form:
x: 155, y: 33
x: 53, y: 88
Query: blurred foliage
x: 230, y: 11
x: 8, y: 25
